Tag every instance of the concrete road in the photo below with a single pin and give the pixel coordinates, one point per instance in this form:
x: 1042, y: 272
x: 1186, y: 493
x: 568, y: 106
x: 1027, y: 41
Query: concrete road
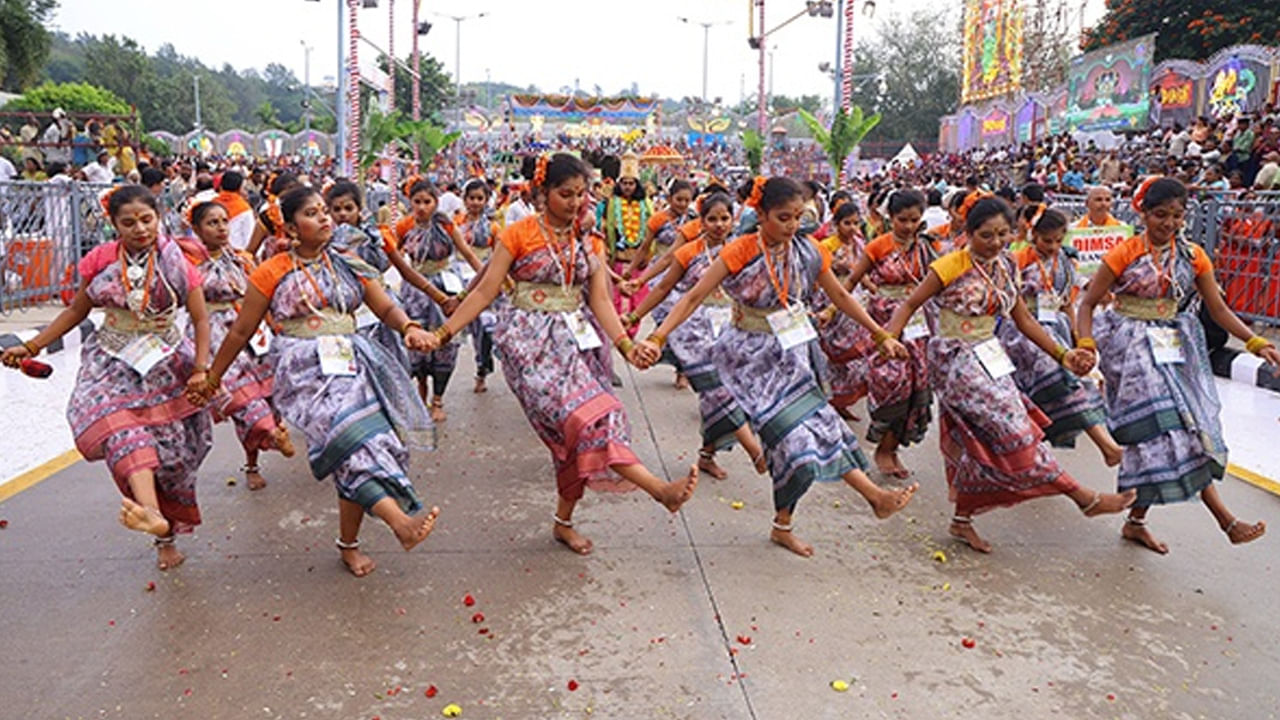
x: 688, y: 616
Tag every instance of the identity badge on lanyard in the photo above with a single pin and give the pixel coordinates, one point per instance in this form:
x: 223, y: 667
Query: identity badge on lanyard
x: 260, y: 343
x: 1166, y: 345
x: 993, y: 358
x: 584, y: 333
x: 720, y: 318
x: 144, y: 353
x: 452, y: 283
x: 917, y: 327
x: 791, y: 325
x: 337, y: 355
x: 1047, y: 306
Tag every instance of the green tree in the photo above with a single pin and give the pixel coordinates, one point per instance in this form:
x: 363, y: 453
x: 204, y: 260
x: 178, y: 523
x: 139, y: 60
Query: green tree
x: 24, y: 41
x: 779, y: 104
x: 435, y: 90
x: 394, y: 130
x: 909, y: 74
x: 266, y: 115
x: 72, y: 97
x: 753, y: 148
x: 846, y: 131
x: 1189, y: 29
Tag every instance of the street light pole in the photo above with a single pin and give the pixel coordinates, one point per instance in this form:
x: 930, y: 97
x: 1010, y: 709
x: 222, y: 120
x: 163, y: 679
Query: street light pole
x: 195, y: 82
x: 306, y: 85
x: 762, y: 120
x: 417, y: 81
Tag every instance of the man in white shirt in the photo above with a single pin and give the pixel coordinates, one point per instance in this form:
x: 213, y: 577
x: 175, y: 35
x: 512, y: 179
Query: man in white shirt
x: 450, y: 203
x: 1268, y: 177
x: 520, y: 208
x: 7, y: 170
x: 99, y: 171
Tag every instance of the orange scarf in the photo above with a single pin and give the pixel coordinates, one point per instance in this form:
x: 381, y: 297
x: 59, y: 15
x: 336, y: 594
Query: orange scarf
x: 234, y: 203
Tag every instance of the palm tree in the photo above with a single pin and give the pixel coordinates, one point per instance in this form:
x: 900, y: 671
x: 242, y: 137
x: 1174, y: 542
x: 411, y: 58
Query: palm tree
x: 846, y: 131
x: 753, y: 146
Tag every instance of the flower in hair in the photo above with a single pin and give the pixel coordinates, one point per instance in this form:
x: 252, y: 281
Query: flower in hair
x: 757, y: 192
x: 408, y: 184
x: 540, y: 171
x: 1141, y: 192
x: 105, y: 198
x: 970, y: 200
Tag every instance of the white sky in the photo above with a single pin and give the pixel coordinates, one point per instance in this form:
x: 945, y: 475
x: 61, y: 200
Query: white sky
x: 549, y: 43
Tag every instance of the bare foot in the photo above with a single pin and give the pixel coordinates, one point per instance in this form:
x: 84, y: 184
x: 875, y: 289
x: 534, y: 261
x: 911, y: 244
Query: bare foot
x: 1141, y: 535
x: 437, y: 413
x: 887, y: 502
x: 357, y: 562
x: 480, y: 386
x: 761, y: 463
x: 682, y: 382
x: 788, y: 540
x: 1241, y: 533
x: 1111, y: 503
x: 283, y: 442
x: 709, y: 466
x: 414, y: 530
x: 255, y: 479
x: 886, y: 462
x: 572, y: 539
x: 678, y: 493
x: 965, y: 532
x: 142, y: 519
x: 168, y: 557
x: 900, y: 470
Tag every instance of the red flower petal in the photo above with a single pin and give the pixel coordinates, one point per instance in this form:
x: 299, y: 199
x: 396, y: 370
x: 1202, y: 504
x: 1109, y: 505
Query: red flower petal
x: 744, y: 639
x: 468, y: 600
x: 4, y: 524
x: 431, y: 691
x: 151, y: 586
x: 968, y: 643
x: 477, y: 618
x: 573, y: 685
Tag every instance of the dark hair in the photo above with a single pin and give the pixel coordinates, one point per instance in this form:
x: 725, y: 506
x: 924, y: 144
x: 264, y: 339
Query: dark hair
x: 423, y: 185
x: 199, y: 211
x: 956, y: 200
x: 232, y: 181
x: 679, y: 185
x: 563, y: 167
x: 476, y: 184
x: 1050, y: 220
x: 204, y: 181
x: 839, y: 196
x: 778, y: 190
x: 1007, y: 194
x: 715, y: 187
x: 709, y: 202
x: 900, y: 200
x: 293, y: 200
x: 744, y: 190
x: 282, y: 183
x: 637, y: 194
x: 130, y: 194
x: 1164, y: 190
x: 845, y: 210
x: 148, y: 177
x: 1033, y: 192
x: 934, y: 197
x: 984, y: 210
x: 343, y: 188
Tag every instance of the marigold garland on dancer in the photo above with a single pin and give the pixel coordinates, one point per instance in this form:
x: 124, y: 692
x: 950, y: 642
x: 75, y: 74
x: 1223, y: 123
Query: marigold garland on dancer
x: 770, y: 275
x: 624, y: 216
x: 1162, y: 405
x: 898, y: 392
x: 225, y: 278
x: 992, y: 442
x: 132, y: 405
x: 1049, y: 289
x: 429, y: 240
x: 553, y: 359
x: 351, y: 399
x: 694, y: 342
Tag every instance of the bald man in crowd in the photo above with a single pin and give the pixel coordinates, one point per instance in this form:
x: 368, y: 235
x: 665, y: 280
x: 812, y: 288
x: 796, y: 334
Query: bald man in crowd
x: 1098, y: 209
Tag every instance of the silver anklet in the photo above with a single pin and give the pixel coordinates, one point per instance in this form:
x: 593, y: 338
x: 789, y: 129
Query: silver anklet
x: 249, y: 469
x: 1137, y: 522
x: 163, y: 541
x: 959, y: 520
x: 780, y: 527
x: 1097, y: 500
x: 561, y: 523
x: 353, y: 545
x: 705, y: 454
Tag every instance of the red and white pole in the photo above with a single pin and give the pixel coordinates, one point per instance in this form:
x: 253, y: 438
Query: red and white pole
x: 417, y: 87
x: 389, y: 152
x: 353, y: 88
x: 762, y: 116
x: 846, y: 65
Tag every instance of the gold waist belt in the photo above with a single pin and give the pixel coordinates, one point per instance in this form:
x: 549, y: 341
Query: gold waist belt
x: 214, y: 307
x: 546, y: 297
x: 896, y: 292
x: 718, y: 299
x: 751, y: 319
x: 1146, y: 308
x: 432, y: 267
x: 966, y: 327
x: 121, y: 327
x: 328, y: 322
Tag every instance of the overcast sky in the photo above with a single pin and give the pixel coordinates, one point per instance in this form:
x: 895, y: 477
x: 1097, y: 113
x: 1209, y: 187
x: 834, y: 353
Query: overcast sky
x: 548, y: 43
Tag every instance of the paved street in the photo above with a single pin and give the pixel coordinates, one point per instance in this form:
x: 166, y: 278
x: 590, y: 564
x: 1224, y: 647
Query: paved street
x: 687, y: 616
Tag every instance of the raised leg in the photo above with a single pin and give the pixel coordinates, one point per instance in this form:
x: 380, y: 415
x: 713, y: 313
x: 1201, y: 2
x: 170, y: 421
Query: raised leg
x: 143, y: 512
x: 1110, y: 449
x: 751, y: 444
x: 1238, y: 532
x: 670, y: 494
x: 409, y: 530
x: 883, y: 501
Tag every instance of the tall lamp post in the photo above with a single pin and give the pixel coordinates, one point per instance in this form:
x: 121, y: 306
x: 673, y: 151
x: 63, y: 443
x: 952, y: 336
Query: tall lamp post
x: 706, y: 33
x: 812, y: 8
x: 457, y: 56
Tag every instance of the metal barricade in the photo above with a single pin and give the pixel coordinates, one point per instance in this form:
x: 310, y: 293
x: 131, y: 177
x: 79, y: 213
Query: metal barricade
x: 45, y: 228
x: 1241, y: 234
